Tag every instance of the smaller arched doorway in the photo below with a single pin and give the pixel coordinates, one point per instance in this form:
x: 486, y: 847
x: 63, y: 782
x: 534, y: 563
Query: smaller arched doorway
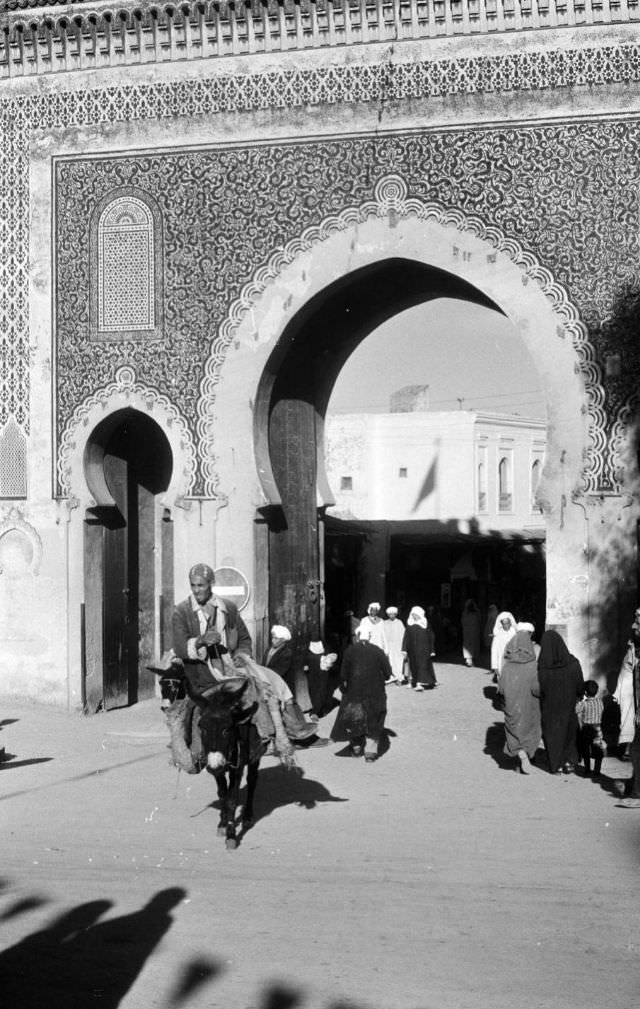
x: 128, y: 558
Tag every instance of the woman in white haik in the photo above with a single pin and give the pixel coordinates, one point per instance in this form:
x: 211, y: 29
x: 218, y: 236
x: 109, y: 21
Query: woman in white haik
x: 503, y: 630
x: 394, y: 633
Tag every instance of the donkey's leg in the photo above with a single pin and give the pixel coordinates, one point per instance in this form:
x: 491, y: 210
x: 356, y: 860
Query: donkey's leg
x: 232, y: 804
x: 223, y: 792
x: 252, y: 780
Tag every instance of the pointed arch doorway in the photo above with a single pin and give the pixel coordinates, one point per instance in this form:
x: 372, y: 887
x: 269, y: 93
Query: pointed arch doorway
x: 128, y: 558
x: 292, y: 401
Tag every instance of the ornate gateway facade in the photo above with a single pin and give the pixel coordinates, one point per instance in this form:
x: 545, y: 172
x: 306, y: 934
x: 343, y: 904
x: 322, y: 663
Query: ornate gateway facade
x: 206, y: 207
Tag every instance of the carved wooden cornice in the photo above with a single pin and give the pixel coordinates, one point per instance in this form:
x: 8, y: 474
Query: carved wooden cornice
x: 38, y: 38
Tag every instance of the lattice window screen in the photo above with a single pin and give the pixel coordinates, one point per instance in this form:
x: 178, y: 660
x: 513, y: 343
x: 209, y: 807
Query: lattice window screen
x: 13, y: 461
x: 126, y: 280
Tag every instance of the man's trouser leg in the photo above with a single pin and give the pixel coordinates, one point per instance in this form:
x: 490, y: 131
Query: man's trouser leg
x: 634, y: 753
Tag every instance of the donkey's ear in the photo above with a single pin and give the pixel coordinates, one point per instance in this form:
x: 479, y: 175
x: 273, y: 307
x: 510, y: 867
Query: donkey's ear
x: 233, y: 687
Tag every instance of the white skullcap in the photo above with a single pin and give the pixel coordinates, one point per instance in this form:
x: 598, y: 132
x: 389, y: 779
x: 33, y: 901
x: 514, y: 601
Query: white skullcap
x: 281, y: 632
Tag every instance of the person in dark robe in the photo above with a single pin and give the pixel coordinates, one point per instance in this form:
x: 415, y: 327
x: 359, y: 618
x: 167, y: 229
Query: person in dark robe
x: 470, y: 622
x: 320, y: 668
x: 279, y: 656
x: 363, y: 707
x: 419, y: 646
x: 560, y: 687
x: 517, y: 684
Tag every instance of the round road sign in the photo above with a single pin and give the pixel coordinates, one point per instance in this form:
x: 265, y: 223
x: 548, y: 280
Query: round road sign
x: 231, y: 584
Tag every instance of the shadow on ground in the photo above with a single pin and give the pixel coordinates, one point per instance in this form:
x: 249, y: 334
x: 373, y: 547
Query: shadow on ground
x: 78, y: 960
x: 278, y: 786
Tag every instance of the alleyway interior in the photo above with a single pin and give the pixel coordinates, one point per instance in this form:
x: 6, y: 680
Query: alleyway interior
x: 436, y: 878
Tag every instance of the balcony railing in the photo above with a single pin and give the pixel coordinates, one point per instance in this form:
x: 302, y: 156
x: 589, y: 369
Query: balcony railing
x: 56, y: 38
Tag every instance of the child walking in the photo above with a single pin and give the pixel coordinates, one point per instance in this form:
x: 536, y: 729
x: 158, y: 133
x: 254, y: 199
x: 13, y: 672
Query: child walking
x: 590, y: 739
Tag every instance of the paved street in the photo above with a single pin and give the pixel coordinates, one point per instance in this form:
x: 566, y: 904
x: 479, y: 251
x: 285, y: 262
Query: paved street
x: 436, y: 877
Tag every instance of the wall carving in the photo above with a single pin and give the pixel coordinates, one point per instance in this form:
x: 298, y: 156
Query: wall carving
x: 555, y: 199
x: 565, y: 194
x: 20, y: 546
x: 126, y: 391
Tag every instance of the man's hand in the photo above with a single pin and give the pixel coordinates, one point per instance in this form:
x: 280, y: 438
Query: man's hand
x: 209, y: 638
x: 238, y: 660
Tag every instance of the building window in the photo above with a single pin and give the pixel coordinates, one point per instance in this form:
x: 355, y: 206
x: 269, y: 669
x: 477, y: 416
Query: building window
x: 482, y: 487
x: 346, y: 483
x: 402, y: 472
x: 536, y: 473
x: 127, y: 268
x: 505, y: 495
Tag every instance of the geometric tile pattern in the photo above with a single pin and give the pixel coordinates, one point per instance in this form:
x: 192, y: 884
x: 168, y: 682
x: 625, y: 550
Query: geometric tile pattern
x: 565, y: 193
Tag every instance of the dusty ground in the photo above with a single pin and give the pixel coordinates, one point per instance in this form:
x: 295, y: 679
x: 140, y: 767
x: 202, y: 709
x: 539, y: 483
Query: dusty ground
x: 437, y: 877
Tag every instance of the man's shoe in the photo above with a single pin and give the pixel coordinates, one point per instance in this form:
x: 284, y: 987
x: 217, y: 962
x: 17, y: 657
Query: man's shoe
x: 630, y: 803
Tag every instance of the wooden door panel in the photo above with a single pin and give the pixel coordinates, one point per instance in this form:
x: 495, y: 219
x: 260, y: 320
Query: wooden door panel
x: 115, y: 596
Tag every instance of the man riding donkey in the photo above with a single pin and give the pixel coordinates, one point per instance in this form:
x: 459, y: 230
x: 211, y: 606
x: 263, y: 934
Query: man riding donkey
x: 211, y: 645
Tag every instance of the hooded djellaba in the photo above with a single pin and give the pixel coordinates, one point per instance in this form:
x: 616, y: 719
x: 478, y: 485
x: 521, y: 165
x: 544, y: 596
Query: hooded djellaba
x: 419, y: 645
x: 363, y: 708
x: 518, y: 686
x: 561, y: 685
x: 503, y: 630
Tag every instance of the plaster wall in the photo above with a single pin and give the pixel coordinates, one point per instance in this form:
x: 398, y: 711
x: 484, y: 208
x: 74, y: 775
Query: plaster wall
x: 442, y: 446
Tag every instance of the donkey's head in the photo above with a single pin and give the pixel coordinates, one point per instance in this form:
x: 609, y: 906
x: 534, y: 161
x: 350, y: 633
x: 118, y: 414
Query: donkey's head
x: 219, y: 720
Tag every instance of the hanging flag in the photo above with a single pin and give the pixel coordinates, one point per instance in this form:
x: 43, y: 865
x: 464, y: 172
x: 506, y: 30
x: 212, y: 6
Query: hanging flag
x: 428, y: 486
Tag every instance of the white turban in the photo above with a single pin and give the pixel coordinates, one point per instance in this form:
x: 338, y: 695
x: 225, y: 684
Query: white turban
x: 525, y: 626
x: 392, y: 610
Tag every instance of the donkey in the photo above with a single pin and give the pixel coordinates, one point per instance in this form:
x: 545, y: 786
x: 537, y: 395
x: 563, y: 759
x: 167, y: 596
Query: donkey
x: 232, y: 743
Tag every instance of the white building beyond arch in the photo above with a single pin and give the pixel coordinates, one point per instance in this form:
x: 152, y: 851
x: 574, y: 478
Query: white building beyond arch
x: 125, y: 393
x: 395, y: 225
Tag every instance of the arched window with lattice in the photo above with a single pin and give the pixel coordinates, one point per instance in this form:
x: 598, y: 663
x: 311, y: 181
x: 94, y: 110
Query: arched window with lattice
x: 126, y: 278
x: 13, y: 461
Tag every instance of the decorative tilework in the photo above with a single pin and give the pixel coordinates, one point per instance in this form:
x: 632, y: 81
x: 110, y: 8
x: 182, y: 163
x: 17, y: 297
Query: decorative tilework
x: 567, y: 193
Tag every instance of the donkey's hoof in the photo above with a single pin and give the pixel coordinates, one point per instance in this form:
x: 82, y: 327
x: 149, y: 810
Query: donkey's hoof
x: 231, y: 844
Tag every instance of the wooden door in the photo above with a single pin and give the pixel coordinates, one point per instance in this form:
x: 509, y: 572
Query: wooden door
x: 119, y: 630
x: 295, y: 590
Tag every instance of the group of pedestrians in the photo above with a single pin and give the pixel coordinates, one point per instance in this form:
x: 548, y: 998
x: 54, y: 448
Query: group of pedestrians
x: 410, y: 648
x: 546, y: 700
x: 542, y: 689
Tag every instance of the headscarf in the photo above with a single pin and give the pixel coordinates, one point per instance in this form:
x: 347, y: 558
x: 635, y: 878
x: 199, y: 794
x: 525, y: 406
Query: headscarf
x: 417, y: 616
x: 499, y: 629
x: 519, y: 648
x: 283, y: 633
x: 554, y: 653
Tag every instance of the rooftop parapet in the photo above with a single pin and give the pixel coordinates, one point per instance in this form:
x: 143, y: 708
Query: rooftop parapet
x: 52, y: 37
